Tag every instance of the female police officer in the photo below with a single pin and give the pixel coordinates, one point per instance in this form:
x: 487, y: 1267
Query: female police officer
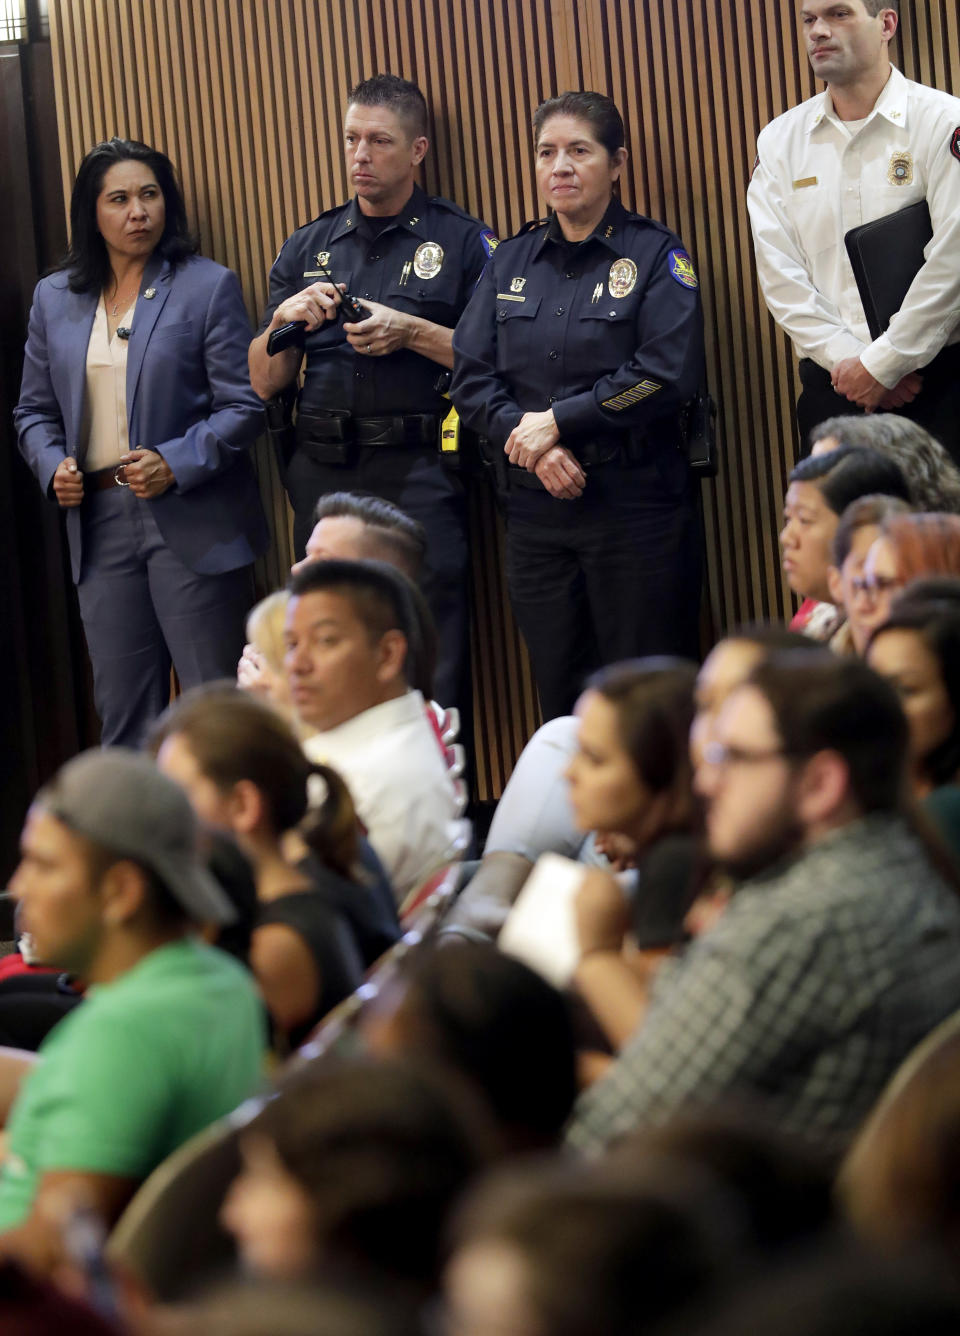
x: 575, y: 355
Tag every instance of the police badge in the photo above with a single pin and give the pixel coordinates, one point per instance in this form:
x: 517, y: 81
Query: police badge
x: 323, y: 259
x: 427, y: 259
x: 622, y: 278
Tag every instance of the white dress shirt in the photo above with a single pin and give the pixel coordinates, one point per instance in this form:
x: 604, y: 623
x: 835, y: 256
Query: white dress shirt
x: 395, y: 770
x: 815, y: 179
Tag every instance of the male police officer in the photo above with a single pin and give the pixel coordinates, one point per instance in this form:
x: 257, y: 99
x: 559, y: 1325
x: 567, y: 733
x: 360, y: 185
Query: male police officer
x: 868, y: 146
x: 370, y: 411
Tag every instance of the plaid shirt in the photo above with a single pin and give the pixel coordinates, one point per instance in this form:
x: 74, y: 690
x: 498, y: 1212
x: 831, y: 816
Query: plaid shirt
x: 816, y: 982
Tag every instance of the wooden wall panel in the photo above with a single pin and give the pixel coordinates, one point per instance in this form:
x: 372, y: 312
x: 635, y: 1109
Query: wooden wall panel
x: 246, y: 96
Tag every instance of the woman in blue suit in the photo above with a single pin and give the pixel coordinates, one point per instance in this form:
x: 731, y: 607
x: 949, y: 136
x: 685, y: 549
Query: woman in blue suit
x: 136, y: 414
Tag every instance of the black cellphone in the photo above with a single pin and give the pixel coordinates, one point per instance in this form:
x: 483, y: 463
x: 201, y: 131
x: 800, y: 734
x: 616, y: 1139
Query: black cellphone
x: 294, y: 333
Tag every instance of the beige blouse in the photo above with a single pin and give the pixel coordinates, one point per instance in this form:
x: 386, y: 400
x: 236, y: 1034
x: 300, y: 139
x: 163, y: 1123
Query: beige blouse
x: 106, y: 433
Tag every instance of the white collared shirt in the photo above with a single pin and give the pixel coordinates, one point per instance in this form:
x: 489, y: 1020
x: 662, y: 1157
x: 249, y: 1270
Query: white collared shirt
x: 815, y: 180
x: 394, y: 768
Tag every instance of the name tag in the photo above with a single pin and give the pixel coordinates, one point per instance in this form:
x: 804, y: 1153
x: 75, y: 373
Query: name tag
x: 314, y: 273
x: 509, y: 297
x: 807, y: 181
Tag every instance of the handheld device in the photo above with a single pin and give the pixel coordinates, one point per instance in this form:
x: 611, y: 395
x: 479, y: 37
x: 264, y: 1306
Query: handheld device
x: 294, y: 333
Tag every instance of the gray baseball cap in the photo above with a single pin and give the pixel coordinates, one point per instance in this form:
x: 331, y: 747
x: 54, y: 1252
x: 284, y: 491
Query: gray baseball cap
x: 121, y: 801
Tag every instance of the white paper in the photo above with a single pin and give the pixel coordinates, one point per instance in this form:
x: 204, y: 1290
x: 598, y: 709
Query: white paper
x: 541, y: 929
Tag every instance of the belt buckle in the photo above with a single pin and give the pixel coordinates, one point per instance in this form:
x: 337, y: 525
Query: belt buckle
x: 121, y: 482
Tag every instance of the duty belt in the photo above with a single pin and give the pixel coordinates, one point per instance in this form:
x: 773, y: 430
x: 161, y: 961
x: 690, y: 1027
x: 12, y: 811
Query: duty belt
x: 390, y: 431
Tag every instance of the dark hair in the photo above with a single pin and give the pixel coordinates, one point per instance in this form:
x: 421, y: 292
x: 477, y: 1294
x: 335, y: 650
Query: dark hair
x: 380, y: 595
x: 825, y: 703
x: 860, y: 514
x: 596, y: 1246
x: 600, y: 113
x: 87, y: 262
x: 391, y: 534
x: 782, y: 1186
x: 502, y: 1027
x: 400, y: 96
x: 873, y: 7
x: 234, y: 737
x: 654, y: 701
x: 936, y: 620
x: 843, y: 475
x: 383, y: 1149
x: 931, y: 474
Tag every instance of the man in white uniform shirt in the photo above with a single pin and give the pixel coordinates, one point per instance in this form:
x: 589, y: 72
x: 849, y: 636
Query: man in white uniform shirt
x: 349, y: 628
x: 872, y: 143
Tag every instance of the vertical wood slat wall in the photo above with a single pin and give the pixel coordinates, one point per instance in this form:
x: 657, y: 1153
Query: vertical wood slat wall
x: 246, y: 98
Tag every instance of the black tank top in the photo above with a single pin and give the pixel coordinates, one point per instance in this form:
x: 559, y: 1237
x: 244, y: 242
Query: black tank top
x: 330, y: 942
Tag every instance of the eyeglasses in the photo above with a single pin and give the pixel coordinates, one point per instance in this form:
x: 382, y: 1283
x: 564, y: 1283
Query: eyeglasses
x: 880, y: 584
x: 726, y: 754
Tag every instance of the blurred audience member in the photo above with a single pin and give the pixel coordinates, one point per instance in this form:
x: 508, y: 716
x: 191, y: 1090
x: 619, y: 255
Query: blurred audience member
x: 354, y: 1167
x: 493, y: 1020
x: 917, y: 650
x: 818, y: 493
x: 244, y: 771
x: 840, y: 947
x: 631, y: 777
x: 932, y: 476
x: 349, y: 628
x: 561, y: 1249
x: 859, y: 527
x: 171, y: 1037
x: 837, y: 1292
x: 907, y: 547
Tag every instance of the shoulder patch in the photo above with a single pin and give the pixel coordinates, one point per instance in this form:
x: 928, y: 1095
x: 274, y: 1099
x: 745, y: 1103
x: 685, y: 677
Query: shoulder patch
x: 488, y: 241
x: 681, y: 269
x: 955, y: 144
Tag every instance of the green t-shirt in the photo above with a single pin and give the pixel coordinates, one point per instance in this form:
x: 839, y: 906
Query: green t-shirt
x: 144, y: 1063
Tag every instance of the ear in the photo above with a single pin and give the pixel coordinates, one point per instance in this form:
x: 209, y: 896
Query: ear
x: 391, y: 657
x: 418, y: 149
x: 122, y: 892
x: 889, y: 21
x: 835, y: 585
x: 247, y: 807
x: 824, y: 789
x: 619, y: 161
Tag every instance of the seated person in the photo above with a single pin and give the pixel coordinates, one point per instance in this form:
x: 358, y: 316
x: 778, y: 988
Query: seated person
x: 353, y: 1167
x: 859, y: 527
x: 565, y: 1249
x: 917, y: 650
x: 840, y: 947
x: 631, y: 777
x: 907, y: 547
x: 245, y: 772
x: 349, y: 628
x: 349, y: 527
x: 931, y: 475
x: 171, y: 1037
x: 819, y: 491
x: 496, y: 1022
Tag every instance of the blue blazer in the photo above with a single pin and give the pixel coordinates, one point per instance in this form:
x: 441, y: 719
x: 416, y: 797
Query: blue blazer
x: 188, y: 397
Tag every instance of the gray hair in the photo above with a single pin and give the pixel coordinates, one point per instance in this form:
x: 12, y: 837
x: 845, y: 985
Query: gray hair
x: 932, y: 476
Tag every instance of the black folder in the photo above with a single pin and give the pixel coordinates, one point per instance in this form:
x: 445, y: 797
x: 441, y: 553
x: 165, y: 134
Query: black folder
x: 885, y: 256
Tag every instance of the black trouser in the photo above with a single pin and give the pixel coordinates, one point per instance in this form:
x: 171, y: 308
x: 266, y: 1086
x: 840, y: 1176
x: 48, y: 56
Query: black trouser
x: 613, y: 575
x: 416, y: 480
x: 936, y: 407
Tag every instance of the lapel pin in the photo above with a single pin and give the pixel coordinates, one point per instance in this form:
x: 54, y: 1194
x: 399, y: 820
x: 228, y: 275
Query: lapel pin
x: 150, y: 293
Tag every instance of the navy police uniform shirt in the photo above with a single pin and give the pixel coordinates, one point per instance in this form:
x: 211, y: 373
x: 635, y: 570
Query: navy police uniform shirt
x: 426, y: 262
x: 607, y: 331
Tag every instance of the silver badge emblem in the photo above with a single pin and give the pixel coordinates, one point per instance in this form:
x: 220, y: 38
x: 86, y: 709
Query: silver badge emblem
x: 427, y: 259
